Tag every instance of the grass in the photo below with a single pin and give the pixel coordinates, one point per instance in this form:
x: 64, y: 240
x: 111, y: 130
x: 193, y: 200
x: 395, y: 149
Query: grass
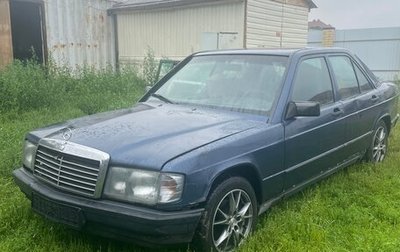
x: 357, y: 209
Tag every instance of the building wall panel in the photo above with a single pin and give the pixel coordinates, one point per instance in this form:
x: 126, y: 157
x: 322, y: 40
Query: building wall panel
x: 294, y: 26
x: 263, y: 23
x: 276, y: 24
x: 79, y: 33
x: 175, y: 33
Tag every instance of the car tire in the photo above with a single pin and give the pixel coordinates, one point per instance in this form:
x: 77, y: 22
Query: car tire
x: 230, y: 216
x: 377, y: 151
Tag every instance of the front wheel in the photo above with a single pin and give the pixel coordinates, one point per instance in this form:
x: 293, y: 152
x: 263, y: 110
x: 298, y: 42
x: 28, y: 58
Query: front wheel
x: 378, y: 149
x: 230, y: 216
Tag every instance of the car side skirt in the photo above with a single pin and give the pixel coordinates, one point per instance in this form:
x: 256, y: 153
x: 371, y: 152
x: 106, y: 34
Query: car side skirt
x: 266, y: 205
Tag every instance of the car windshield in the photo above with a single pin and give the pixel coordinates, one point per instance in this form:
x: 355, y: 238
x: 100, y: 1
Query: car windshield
x: 246, y: 83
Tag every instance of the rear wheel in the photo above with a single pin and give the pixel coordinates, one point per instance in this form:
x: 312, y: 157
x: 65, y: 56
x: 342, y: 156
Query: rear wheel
x: 230, y: 216
x: 378, y: 149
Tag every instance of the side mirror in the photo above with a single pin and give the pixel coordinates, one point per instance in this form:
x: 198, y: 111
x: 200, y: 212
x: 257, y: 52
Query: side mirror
x: 307, y: 108
x: 148, y: 88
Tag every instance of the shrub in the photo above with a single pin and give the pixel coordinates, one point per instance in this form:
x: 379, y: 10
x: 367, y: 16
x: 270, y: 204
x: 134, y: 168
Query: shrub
x: 24, y: 86
x: 105, y: 89
x: 150, y: 67
x: 28, y: 86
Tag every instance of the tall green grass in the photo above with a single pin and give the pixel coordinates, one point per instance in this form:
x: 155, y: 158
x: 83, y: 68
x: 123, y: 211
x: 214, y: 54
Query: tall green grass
x: 27, y: 86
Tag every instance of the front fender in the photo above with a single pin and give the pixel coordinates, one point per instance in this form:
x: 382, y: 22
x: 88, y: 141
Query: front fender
x: 259, y: 149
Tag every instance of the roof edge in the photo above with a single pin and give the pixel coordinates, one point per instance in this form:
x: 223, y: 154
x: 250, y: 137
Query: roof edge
x: 160, y: 4
x: 311, y: 4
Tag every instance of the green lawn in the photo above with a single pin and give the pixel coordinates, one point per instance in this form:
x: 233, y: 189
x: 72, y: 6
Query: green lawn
x: 356, y: 209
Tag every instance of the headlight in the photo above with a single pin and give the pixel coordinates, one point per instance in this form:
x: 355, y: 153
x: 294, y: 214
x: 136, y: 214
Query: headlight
x: 141, y: 186
x: 29, y: 155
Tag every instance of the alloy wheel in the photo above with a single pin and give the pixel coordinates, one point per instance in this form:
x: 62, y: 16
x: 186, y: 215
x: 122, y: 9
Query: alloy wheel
x: 232, y: 220
x: 379, y: 145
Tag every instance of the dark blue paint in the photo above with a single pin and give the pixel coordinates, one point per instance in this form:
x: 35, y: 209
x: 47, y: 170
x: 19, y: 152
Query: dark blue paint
x: 205, y: 143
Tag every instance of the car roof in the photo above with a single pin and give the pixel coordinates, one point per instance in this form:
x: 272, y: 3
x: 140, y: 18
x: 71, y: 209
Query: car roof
x: 277, y: 52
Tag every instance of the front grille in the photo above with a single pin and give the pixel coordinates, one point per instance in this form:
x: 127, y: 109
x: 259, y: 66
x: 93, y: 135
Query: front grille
x: 67, y: 171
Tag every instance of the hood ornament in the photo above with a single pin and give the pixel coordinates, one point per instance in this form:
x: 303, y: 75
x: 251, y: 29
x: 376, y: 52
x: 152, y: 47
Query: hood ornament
x: 66, y: 135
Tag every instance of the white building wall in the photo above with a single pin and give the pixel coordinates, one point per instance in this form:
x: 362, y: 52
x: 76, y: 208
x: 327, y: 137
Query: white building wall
x: 79, y: 32
x: 272, y: 24
x: 294, y: 26
x: 176, y: 33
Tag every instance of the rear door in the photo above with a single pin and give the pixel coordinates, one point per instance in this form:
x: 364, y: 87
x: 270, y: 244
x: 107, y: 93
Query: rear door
x: 358, y: 98
x: 312, y: 143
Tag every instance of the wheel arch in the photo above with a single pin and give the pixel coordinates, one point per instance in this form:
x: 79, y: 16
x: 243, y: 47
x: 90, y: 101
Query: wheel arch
x: 387, y: 120
x: 247, y: 171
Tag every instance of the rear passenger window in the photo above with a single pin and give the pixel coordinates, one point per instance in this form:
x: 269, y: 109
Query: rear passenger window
x: 365, y: 86
x: 345, y: 76
x: 312, y: 82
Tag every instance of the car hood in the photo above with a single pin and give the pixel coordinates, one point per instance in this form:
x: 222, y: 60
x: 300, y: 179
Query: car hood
x: 149, y: 135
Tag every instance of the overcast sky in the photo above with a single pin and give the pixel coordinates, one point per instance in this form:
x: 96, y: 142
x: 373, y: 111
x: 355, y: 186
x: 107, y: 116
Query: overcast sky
x: 353, y: 14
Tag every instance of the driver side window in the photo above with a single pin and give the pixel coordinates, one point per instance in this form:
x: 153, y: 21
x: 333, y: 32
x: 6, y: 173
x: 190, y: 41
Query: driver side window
x: 312, y: 82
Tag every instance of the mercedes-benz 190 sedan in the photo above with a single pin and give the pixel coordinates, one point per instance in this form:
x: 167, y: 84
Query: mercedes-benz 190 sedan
x: 211, y: 146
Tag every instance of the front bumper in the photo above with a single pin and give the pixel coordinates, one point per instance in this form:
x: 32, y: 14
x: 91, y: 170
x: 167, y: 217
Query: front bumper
x: 109, y: 218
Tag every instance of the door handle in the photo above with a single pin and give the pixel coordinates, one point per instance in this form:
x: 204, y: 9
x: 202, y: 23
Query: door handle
x: 337, y: 111
x: 374, y: 98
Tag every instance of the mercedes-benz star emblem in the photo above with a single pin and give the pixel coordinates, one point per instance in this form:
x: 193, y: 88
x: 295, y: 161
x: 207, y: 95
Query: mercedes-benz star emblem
x: 67, y: 134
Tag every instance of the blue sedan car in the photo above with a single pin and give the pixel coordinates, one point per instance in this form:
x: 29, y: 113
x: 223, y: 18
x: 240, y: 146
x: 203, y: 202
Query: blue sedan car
x: 211, y: 146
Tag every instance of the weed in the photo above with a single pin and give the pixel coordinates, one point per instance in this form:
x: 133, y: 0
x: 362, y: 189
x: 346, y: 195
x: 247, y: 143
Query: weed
x: 29, y: 86
x: 150, y: 68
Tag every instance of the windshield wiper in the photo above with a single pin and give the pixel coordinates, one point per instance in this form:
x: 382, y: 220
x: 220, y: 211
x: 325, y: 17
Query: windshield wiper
x: 161, y: 98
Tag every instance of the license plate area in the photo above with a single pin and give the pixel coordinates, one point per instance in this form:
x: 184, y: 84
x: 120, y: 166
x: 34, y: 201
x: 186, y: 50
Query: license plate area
x: 58, y: 212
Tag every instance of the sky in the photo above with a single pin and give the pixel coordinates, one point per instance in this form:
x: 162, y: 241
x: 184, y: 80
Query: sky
x: 354, y: 14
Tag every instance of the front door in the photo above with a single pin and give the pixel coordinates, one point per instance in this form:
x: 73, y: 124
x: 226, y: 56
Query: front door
x: 312, y: 144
